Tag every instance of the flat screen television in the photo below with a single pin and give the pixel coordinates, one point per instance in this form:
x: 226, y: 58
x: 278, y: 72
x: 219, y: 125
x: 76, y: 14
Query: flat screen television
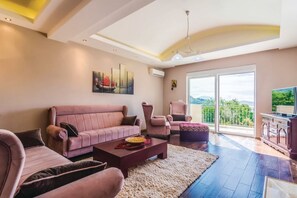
x: 284, y: 101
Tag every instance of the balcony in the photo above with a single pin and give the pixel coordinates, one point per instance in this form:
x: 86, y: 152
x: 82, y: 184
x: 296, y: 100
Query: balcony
x: 234, y: 119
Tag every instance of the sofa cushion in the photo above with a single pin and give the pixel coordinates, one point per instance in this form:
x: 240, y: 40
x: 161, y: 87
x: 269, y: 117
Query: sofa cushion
x: 177, y: 123
x: 33, y: 163
x: 52, y: 178
x: 92, y: 121
x: 129, y: 120
x: 89, y: 138
x: 178, y: 117
x: 30, y: 138
x: 71, y: 130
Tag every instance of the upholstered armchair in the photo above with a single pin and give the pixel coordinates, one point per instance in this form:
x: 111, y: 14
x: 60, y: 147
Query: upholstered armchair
x: 178, y: 111
x: 18, y: 163
x: 155, y: 125
x: 12, y: 162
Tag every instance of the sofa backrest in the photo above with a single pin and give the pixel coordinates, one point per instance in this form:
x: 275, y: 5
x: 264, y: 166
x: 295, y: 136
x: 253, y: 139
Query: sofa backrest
x: 89, y: 117
x: 12, y: 159
x: 178, y: 107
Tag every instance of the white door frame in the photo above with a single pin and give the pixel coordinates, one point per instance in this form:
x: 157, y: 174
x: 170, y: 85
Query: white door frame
x: 216, y: 73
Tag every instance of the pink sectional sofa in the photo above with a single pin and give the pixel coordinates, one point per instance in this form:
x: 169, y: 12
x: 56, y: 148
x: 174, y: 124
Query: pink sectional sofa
x: 95, y: 124
x: 17, y: 164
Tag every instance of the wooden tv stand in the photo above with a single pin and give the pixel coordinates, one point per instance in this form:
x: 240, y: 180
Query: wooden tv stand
x: 280, y: 133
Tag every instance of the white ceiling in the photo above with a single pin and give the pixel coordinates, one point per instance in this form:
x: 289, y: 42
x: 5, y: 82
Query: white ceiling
x: 162, y: 23
x: 142, y: 30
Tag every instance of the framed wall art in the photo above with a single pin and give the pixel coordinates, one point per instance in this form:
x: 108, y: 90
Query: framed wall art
x: 118, y: 81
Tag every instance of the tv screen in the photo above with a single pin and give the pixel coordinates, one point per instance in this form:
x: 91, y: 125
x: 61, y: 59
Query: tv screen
x: 284, y: 101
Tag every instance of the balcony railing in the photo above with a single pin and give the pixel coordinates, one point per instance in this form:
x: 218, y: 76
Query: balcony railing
x: 234, y: 116
x: 231, y: 118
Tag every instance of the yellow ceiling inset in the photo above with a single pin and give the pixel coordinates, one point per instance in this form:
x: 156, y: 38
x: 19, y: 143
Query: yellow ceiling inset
x: 27, y: 8
x: 223, y: 38
x: 210, y: 40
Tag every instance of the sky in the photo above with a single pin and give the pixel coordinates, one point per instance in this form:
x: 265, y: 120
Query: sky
x: 235, y: 86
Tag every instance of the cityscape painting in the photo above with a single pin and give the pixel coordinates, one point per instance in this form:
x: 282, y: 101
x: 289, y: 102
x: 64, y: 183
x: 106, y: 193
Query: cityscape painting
x: 119, y: 81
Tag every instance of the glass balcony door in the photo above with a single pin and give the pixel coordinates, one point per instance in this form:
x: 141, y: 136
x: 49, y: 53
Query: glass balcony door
x: 236, y: 103
x: 202, y: 100
x: 224, y: 99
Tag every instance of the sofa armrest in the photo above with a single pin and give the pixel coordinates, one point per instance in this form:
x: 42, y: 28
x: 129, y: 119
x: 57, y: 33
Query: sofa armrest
x: 57, y: 139
x: 169, y: 118
x: 158, y: 121
x: 107, y: 183
x: 188, y: 118
x: 56, y: 132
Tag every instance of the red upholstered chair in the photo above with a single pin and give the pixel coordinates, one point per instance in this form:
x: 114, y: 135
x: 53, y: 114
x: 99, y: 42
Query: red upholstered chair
x: 178, y: 114
x: 155, y: 125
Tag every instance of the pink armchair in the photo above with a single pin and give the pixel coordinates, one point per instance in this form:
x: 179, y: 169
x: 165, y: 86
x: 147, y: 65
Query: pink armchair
x: 178, y: 111
x: 12, y: 162
x: 18, y: 163
x: 155, y: 125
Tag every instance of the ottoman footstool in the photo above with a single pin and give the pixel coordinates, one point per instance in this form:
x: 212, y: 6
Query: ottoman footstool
x: 192, y: 132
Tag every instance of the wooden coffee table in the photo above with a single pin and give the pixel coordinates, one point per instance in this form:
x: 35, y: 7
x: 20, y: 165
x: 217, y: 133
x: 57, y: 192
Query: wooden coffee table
x: 124, y: 159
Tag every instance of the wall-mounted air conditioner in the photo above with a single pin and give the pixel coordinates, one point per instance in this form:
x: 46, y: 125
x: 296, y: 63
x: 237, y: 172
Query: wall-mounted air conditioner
x: 157, y: 73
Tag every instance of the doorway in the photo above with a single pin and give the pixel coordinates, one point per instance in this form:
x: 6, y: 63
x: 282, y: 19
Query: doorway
x: 224, y: 100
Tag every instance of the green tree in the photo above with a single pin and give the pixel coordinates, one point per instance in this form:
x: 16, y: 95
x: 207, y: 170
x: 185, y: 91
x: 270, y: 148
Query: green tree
x: 232, y: 112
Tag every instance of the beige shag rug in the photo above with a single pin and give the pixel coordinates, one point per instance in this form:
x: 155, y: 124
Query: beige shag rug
x: 168, y: 177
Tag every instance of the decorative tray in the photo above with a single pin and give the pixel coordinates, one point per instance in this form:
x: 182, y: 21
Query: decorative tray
x: 135, y: 140
x: 134, y: 146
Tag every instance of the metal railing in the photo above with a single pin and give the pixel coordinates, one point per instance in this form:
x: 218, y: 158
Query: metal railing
x: 241, y: 115
x: 232, y: 116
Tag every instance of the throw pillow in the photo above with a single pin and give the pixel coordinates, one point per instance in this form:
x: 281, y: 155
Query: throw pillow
x: 30, y: 138
x: 179, y: 117
x: 71, y: 130
x: 52, y: 178
x: 129, y: 120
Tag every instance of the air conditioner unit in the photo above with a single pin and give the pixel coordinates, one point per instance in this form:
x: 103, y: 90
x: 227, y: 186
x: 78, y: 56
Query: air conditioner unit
x: 157, y: 73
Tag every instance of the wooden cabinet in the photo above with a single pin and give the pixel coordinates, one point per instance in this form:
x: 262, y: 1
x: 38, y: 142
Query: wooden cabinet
x: 280, y: 133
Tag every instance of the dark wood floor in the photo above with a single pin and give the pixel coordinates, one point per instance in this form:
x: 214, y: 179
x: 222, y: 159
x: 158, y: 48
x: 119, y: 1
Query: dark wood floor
x: 237, y: 173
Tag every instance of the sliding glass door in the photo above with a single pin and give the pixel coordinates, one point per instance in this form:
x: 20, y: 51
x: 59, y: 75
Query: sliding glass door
x: 224, y: 100
x: 202, y: 100
x: 236, y: 101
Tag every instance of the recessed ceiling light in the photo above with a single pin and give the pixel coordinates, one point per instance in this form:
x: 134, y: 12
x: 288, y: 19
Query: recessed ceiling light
x: 198, y: 58
x: 84, y: 40
x: 177, y: 57
x: 7, y: 19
